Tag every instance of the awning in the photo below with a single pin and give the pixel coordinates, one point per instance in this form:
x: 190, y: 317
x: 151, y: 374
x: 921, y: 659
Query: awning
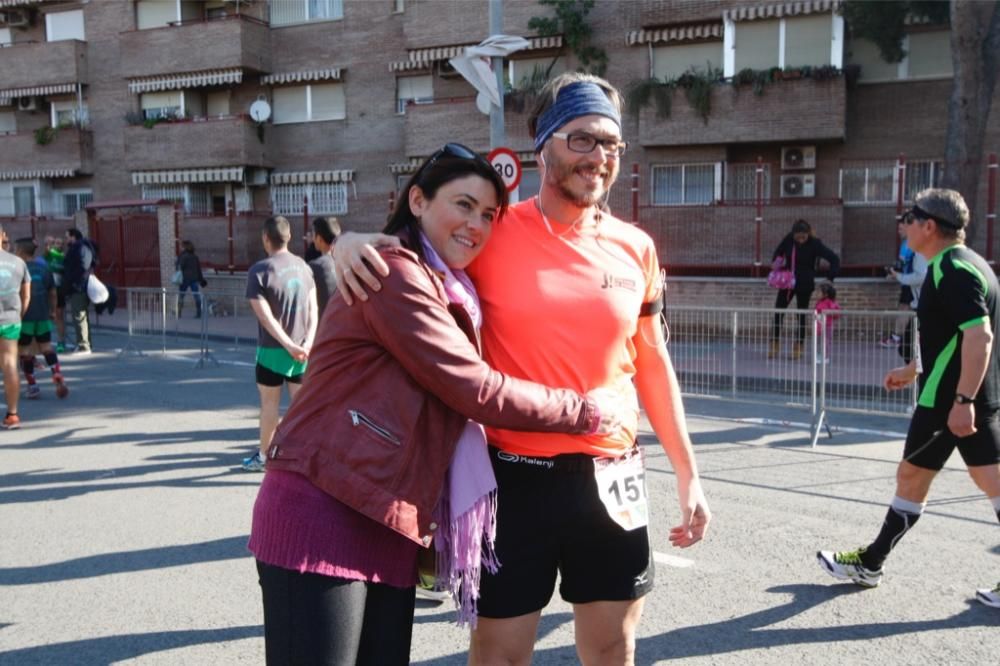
x: 400, y: 168
x: 422, y: 58
x: 300, y: 177
x: 681, y: 33
x: 19, y: 3
x: 333, y: 74
x: 25, y: 174
x: 210, y: 77
x: 800, y: 8
x: 57, y: 89
x: 206, y: 175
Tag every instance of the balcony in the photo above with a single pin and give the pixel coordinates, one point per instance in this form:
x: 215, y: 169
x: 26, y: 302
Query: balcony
x: 37, y: 64
x: 230, y: 42
x: 430, y: 126
x: 798, y: 110
x: 231, y: 141
x: 69, y: 153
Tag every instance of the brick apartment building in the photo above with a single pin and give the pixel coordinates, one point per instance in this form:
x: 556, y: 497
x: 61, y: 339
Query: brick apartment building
x: 120, y: 100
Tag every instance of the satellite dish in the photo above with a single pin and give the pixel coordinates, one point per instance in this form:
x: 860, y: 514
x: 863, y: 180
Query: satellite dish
x: 260, y: 110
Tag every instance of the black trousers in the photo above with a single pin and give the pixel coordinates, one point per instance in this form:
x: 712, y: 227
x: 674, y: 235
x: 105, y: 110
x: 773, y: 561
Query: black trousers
x: 802, y: 297
x: 312, y: 619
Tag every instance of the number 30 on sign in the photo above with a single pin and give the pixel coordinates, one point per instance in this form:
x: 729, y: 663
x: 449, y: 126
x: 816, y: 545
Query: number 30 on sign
x: 505, y: 162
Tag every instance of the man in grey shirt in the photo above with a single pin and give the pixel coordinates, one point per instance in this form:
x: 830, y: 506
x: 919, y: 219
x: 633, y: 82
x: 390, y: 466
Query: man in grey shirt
x: 326, y: 230
x: 15, y: 295
x: 282, y: 294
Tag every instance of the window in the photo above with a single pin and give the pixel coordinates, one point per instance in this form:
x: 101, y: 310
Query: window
x: 7, y: 123
x: 290, y: 12
x: 162, y: 104
x: 300, y: 104
x: 24, y: 201
x: 757, y: 44
x: 5, y: 38
x: 193, y: 198
x: 68, y: 114
x: 324, y: 198
x: 217, y: 104
x: 530, y: 73
x: 928, y: 55
x: 921, y: 174
x: 669, y: 62
x: 398, y: 6
x: 69, y: 202
x: 807, y: 40
x: 741, y: 182
x: 686, y: 184
x: 872, y: 183
x: 64, y: 25
x: 416, y: 89
x: 155, y: 13
x: 813, y: 39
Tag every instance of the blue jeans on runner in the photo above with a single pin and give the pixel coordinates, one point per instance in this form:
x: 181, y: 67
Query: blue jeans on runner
x: 195, y: 289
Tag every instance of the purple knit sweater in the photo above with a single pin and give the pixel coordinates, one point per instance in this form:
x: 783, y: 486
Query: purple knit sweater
x: 299, y: 527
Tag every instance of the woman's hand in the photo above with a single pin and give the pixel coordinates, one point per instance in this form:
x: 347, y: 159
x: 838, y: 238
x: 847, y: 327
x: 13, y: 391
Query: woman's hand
x: 618, y: 410
x: 695, y: 515
x: 350, y: 254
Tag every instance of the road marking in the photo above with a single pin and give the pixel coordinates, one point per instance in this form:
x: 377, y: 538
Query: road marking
x: 672, y: 560
x: 794, y: 424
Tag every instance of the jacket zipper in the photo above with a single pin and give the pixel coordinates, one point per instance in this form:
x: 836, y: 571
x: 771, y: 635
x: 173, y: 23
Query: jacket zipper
x: 357, y: 418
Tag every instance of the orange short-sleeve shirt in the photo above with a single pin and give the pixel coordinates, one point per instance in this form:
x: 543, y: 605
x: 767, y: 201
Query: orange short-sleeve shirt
x: 563, y: 311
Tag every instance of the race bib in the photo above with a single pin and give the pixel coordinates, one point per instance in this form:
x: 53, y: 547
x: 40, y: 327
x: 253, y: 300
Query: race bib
x: 621, y: 484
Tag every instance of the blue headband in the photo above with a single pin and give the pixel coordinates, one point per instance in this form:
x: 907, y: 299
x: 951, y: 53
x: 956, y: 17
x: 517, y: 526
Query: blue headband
x: 582, y: 98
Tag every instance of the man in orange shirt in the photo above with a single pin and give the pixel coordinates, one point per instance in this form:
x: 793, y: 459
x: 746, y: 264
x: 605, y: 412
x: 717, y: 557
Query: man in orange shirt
x: 569, y: 296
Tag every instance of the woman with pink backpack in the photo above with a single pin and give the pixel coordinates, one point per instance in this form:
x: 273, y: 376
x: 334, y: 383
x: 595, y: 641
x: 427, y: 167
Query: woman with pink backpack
x: 794, y: 275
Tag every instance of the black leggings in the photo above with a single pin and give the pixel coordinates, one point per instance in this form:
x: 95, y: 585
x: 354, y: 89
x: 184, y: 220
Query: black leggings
x: 314, y: 619
x: 801, y: 302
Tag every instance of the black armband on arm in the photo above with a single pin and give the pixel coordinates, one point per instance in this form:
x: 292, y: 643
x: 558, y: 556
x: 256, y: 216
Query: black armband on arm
x: 652, y: 308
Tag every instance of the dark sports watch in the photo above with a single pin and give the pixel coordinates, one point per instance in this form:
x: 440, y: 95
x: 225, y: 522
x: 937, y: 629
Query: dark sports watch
x: 963, y: 399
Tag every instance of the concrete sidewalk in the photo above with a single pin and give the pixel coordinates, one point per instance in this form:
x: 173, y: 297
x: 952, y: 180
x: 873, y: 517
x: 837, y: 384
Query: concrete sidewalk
x: 125, y: 520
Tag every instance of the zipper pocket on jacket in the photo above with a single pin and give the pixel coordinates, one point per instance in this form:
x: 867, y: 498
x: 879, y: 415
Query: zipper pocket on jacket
x: 357, y: 418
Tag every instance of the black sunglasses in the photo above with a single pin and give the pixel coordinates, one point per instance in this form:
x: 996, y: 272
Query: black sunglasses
x: 918, y: 213
x: 455, y: 150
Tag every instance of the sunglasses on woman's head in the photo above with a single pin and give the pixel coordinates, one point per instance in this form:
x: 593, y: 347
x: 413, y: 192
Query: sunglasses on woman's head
x: 454, y: 150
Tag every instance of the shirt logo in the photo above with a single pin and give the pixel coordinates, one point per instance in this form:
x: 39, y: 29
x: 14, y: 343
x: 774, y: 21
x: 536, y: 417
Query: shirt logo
x: 610, y: 282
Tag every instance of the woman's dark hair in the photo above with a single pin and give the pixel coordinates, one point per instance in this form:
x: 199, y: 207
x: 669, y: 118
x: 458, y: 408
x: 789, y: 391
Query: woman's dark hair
x: 828, y: 291
x: 187, y: 246
x: 444, y: 166
x: 802, y: 227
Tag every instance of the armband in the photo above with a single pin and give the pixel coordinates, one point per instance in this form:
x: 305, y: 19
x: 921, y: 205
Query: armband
x: 651, y: 308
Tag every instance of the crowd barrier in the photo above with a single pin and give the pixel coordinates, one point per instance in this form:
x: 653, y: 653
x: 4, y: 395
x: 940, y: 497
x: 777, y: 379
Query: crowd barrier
x: 720, y: 353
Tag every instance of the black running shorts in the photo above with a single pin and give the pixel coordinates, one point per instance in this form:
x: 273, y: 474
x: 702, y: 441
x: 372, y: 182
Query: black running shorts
x: 267, y: 377
x: 550, y: 520
x: 926, y: 448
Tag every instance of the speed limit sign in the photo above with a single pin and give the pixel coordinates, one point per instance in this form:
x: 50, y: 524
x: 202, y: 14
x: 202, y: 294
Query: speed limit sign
x: 505, y: 162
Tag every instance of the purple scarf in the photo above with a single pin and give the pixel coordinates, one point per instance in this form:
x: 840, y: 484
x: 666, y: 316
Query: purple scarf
x: 467, y: 511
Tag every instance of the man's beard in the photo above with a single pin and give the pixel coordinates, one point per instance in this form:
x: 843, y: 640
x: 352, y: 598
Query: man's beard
x: 586, y: 198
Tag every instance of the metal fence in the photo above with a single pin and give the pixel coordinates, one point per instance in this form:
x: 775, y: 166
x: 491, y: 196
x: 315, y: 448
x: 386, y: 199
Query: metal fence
x: 754, y: 356
x: 744, y: 355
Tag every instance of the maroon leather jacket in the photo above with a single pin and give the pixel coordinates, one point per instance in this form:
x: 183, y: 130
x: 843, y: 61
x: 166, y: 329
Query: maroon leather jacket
x: 390, y: 383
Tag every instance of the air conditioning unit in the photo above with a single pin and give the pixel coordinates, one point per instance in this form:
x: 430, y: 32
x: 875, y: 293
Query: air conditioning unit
x: 798, y: 185
x: 798, y: 157
x: 26, y: 104
x: 15, y: 18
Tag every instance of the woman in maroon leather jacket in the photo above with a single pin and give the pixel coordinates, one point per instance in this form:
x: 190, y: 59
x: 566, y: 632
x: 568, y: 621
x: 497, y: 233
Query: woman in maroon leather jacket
x: 357, y: 467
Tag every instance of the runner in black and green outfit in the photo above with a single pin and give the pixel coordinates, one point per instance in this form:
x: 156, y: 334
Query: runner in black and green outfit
x: 959, y: 405
x: 282, y: 294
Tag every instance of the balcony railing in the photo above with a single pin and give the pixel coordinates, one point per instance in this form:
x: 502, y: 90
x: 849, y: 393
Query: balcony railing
x: 236, y: 41
x: 229, y: 141
x: 797, y: 110
x: 68, y: 152
x: 36, y: 64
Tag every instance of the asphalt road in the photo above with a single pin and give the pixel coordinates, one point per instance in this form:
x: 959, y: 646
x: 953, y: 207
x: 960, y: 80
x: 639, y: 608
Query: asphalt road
x: 124, y: 518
